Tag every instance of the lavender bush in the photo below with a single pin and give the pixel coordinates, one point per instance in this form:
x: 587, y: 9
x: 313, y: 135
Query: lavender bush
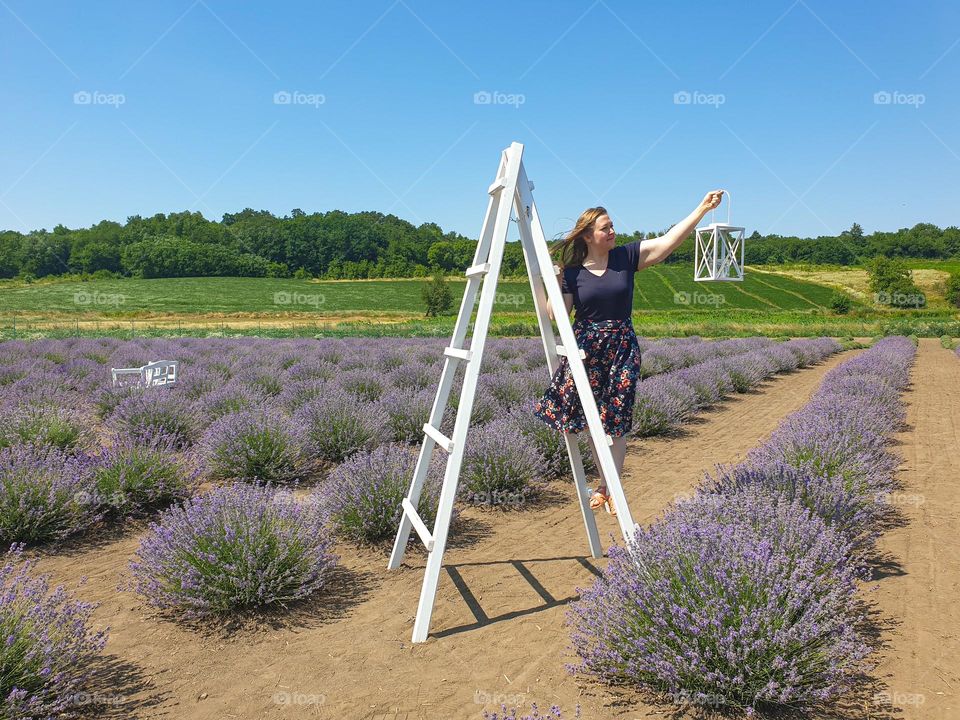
x: 238, y: 547
x: 661, y: 403
x: 130, y: 477
x: 554, y: 713
x: 48, y: 649
x: 736, y: 600
x: 337, y: 425
x: 361, y: 497
x: 498, y: 459
x: 854, y: 514
x: 407, y: 412
x: 157, y: 411
x: 550, y: 444
x: 255, y: 445
x: 45, y: 494
x: 46, y: 424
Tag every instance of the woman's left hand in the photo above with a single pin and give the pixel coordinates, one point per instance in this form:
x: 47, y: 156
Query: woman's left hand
x: 711, y: 200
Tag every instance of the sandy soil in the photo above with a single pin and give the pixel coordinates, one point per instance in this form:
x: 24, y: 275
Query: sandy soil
x: 498, y: 632
x: 919, y: 582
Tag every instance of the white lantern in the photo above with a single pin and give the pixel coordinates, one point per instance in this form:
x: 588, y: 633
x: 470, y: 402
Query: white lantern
x: 718, y: 253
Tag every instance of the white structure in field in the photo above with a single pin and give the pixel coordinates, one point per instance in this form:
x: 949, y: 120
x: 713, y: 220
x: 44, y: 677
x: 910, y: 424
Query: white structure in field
x: 156, y: 373
x: 718, y: 251
x: 510, y: 192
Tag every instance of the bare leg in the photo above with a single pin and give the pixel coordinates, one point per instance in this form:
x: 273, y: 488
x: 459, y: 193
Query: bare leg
x: 619, y: 451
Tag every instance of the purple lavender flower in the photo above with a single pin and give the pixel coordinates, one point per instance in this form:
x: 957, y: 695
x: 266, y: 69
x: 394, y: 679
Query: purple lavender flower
x: 661, y: 403
x: 238, y: 547
x: 854, y: 514
x: 132, y: 476
x: 45, y: 494
x: 554, y: 713
x: 63, y: 427
x: 256, y: 444
x: 550, y: 444
x: 362, y: 495
x: 498, y: 458
x: 47, y: 648
x: 733, y: 600
x: 337, y: 425
x: 413, y: 376
x: 157, y: 411
x: 407, y: 412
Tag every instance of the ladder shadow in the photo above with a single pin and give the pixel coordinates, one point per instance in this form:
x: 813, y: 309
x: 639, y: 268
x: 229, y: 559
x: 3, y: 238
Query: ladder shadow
x: 481, y: 617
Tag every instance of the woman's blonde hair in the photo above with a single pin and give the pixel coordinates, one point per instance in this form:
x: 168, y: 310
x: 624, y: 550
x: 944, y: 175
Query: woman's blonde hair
x: 572, y: 248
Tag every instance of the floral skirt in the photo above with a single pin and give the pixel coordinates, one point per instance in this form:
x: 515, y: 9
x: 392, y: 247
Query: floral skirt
x: 613, y: 368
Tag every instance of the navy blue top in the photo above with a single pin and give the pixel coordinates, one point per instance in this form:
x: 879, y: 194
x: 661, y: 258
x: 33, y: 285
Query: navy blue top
x: 608, y: 296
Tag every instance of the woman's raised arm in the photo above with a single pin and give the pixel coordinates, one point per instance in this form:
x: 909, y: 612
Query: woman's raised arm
x: 658, y: 249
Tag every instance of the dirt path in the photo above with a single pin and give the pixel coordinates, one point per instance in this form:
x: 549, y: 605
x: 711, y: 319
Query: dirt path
x: 919, y: 586
x: 498, y: 619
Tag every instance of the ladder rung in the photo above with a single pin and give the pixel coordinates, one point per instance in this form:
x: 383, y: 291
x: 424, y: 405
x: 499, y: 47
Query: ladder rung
x: 561, y: 350
x: 457, y: 353
x: 481, y: 269
x: 441, y: 439
x: 411, y: 512
x: 498, y: 184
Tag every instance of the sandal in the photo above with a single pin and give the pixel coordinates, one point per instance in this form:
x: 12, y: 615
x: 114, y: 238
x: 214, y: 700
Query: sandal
x: 598, y: 500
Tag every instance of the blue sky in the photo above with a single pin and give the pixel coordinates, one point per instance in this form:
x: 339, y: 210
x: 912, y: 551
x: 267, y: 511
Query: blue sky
x: 118, y: 108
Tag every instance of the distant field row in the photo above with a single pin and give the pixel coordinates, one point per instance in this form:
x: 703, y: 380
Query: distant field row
x: 664, y: 287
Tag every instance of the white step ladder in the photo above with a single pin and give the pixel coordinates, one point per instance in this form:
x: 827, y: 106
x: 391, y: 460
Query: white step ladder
x: 510, y: 191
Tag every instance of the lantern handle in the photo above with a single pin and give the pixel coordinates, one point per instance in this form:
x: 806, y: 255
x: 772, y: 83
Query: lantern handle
x: 729, y: 205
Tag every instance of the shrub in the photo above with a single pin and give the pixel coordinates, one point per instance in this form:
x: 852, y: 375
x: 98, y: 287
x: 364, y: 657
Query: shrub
x: 130, y: 477
x: 851, y: 513
x: 848, y: 449
x: 739, y: 600
x: 156, y: 412
x: 256, y: 444
x: 661, y: 404
x: 48, y: 650
x: 554, y: 713
x: 238, y: 547
x: 953, y: 289
x: 746, y: 371
x: 362, y: 495
x: 337, y: 425
x: 45, y: 494
x: 407, y: 412
x: 365, y: 384
x: 498, y: 462
x: 226, y: 400
x: 437, y: 295
x: 550, y: 444
x: 45, y: 424
x: 840, y: 303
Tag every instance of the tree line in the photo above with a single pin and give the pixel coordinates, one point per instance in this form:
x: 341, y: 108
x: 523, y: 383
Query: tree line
x: 340, y: 245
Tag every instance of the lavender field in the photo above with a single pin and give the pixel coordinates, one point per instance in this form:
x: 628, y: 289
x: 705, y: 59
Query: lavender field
x: 268, y: 462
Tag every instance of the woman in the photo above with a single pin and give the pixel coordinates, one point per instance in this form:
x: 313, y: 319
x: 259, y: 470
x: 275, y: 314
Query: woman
x: 596, y: 277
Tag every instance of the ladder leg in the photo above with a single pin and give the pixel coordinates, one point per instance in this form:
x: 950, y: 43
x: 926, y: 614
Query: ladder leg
x: 416, y: 487
x: 531, y: 233
x: 428, y: 592
x: 446, y: 379
x: 583, y: 494
x: 538, y: 261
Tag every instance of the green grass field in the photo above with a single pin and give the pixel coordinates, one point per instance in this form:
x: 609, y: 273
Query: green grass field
x: 664, y: 287
x: 667, y: 302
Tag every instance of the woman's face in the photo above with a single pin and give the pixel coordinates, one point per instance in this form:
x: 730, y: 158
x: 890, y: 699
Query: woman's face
x: 603, y: 237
